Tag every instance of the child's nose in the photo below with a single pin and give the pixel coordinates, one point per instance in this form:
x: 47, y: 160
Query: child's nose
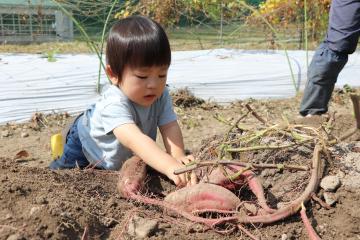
x: 152, y: 83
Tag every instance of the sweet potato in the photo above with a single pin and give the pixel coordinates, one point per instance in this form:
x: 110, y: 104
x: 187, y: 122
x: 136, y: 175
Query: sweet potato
x: 292, y: 208
x: 203, y: 196
x: 131, y: 177
x: 217, y: 177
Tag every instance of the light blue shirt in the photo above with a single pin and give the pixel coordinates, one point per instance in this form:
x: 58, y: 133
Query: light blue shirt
x: 114, y: 109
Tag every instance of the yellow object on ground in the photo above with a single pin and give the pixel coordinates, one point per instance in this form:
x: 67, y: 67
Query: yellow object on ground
x: 57, y: 148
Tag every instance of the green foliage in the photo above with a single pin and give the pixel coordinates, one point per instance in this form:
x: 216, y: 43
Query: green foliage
x: 348, y: 89
x: 50, y: 55
x: 173, y: 12
x: 284, y: 13
x: 254, y: 2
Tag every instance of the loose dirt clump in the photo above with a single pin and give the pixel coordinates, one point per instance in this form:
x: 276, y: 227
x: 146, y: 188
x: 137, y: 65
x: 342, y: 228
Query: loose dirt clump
x: 184, y: 98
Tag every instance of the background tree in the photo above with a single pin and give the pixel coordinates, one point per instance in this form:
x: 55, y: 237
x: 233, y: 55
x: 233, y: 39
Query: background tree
x: 286, y: 13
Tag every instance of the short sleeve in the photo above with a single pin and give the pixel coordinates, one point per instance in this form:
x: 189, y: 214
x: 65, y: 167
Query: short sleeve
x: 115, y: 115
x: 167, y: 113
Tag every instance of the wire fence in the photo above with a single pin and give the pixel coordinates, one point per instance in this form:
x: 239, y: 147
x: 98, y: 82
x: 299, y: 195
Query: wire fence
x: 190, y: 24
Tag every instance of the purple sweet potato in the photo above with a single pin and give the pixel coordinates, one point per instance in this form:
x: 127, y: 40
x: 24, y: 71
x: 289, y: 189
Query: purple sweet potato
x: 203, y: 196
x: 131, y: 177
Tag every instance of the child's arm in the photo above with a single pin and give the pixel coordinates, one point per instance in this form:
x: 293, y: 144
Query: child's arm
x: 174, y: 144
x: 144, y: 147
x: 173, y: 139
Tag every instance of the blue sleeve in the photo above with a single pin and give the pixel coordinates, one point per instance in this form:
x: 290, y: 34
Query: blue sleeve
x: 167, y: 113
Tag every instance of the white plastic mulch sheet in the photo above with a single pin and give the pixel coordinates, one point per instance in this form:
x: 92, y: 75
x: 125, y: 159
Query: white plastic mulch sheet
x: 30, y: 83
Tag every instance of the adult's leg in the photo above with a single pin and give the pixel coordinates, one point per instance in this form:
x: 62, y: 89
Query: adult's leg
x: 323, y: 71
x: 344, y: 26
x: 331, y: 56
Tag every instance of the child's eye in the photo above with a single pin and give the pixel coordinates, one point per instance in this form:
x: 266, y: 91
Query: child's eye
x: 162, y: 76
x: 141, y: 76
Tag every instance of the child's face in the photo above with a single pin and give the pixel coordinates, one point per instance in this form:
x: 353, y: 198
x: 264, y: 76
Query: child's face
x: 143, y: 85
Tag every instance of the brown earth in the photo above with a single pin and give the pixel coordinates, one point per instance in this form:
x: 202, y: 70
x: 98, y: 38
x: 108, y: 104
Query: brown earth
x: 37, y: 203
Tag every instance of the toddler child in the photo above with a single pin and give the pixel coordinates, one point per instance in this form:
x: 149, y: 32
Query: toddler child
x: 123, y: 124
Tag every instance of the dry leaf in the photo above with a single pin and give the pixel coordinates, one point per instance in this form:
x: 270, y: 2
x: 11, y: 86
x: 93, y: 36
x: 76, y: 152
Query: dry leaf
x: 21, y: 154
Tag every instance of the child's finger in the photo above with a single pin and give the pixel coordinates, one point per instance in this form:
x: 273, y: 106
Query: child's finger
x: 176, y: 180
x: 187, y: 159
x: 193, y: 180
x: 181, y: 180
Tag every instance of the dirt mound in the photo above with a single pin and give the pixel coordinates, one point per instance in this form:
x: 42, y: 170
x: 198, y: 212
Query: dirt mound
x: 43, y: 204
x: 37, y: 203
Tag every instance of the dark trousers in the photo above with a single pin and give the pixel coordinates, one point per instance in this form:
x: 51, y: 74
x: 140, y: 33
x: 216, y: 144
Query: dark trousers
x: 73, y: 155
x: 331, y: 56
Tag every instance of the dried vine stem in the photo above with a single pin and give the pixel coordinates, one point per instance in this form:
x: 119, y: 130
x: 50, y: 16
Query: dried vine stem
x: 229, y: 131
x: 269, y: 147
x: 256, y: 135
x: 238, y: 173
x: 255, y: 114
x: 264, y: 147
x: 222, y: 120
x: 355, y: 101
x: 195, y: 165
x: 294, y: 131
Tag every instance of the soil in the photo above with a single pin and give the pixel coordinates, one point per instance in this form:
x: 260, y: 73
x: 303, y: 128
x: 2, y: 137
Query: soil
x: 37, y: 203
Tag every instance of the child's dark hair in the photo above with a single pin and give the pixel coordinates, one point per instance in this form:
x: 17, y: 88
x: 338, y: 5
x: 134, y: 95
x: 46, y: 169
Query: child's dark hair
x: 137, y: 41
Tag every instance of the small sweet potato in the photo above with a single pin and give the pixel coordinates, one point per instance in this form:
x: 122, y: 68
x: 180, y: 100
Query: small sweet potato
x: 217, y: 177
x: 203, y: 196
x: 131, y: 177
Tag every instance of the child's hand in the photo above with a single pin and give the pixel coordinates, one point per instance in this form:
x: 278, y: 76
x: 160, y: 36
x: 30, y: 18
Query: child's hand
x: 190, y: 178
x: 179, y: 180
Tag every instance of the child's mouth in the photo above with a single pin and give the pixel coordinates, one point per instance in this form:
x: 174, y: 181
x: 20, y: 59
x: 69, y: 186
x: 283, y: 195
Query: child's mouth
x: 150, y: 97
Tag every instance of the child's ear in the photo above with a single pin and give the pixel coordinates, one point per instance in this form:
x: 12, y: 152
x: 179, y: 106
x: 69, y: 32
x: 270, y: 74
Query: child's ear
x: 113, y: 78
